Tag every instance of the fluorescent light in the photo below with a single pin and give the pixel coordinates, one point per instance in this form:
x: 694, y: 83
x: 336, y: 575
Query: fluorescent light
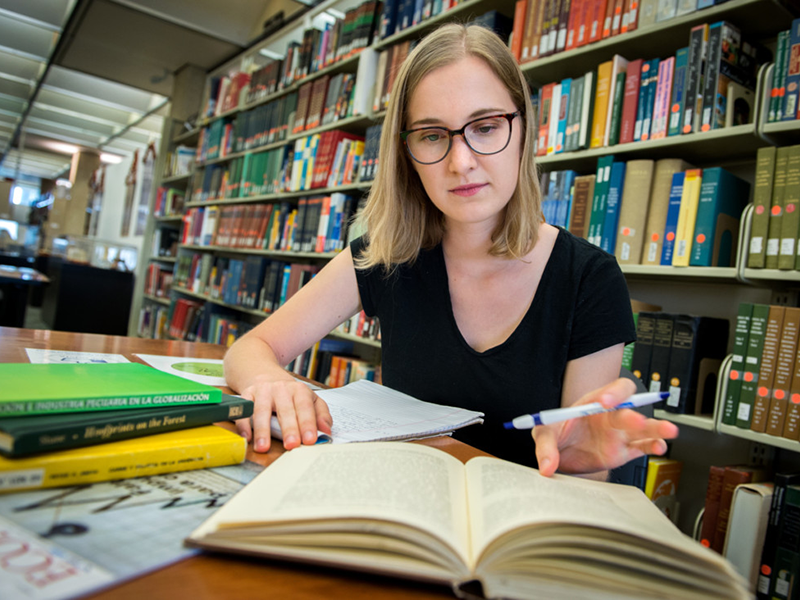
x: 110, y: 159
x: 61, y: 147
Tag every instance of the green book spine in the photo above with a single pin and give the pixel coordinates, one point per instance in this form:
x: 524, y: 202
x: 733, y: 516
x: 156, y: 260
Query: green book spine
x: 786, y: 569
x: 640, y: 363
x: 762, y: 201
x: 790, y: 226
x: 776, y: 209
x: 616, y: 109
x: 20, y: 436
x: 755, y: 346
x: 740, y: 336
x: 37, y: 389
x: 599, y: 201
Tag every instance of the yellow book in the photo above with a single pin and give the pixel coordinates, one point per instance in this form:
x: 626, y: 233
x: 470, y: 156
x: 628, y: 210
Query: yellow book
x: 185, y: 450
x: 663, y: 476
x: 687, y: 217
x: 601, y: 102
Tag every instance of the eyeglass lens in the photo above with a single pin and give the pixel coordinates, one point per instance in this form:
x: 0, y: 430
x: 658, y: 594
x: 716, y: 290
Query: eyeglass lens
x: 484, y: 136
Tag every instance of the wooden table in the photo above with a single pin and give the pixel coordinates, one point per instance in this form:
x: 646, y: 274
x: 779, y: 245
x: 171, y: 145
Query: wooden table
x: 222, y: 576
x: 14, y: 284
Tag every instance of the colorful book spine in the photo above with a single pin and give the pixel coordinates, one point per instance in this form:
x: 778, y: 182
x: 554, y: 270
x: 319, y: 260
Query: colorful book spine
x: 741, y: 333
x: 698, y: 38
x: 752, y: 366
x: 687, y: 217
x: 762, y: 200
x: 608, y: 239
x: 791, y: 98
x: 185, y: 450
x: 673, y: 212
x: 661, y: 107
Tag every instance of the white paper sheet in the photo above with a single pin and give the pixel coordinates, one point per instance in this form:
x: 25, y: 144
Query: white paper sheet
x: 47, y: 356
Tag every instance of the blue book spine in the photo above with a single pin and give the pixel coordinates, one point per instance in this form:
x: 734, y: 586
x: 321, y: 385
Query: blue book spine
x: 673, y: 210
x: 650, y: 100
x: 790, y: 99
x: 565, y: 198
x: 644, y: 82
x: 678, y: 91
x: 608, y: 241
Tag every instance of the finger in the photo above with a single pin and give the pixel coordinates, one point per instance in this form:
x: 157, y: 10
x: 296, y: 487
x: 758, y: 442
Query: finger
x: 287, y: 416
x: 613, y: 393
x: 547, y: 454
x: 243, y: 427
x: 262, y: 414
x: 637, y: 426
x: 654, y: 447
x: 304, y: 405
x: 324, y: 418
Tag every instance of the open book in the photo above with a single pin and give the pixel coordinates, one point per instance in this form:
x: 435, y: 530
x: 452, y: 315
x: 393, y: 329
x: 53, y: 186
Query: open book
x: 364, y: 411
x: 417, y: 512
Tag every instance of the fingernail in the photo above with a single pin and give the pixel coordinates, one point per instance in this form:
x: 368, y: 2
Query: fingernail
x: 308, y: 438
x: 544, y: 463
x: 291, y: 441
x: 260, y: 444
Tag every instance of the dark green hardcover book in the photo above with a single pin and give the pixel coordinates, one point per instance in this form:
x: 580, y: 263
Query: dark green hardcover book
x: 752, y: 365
x: 740, y: 336
x: 662, y: 347
x: 616, y: 109
x: 36, y: 389
x: 766, y: 571
x: 20, y: 436
x: 640, y: 362
x: 786, y: 568
x: 627, y: 353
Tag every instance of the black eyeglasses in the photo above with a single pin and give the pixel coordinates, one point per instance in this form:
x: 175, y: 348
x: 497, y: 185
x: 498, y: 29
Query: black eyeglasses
x: 487, y: 135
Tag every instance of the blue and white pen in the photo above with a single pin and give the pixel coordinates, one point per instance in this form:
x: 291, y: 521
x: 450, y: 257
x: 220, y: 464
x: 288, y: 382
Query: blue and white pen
x: 556, y: 415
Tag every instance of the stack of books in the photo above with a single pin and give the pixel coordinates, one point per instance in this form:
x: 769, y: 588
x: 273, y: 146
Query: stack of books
x: 72, y: 424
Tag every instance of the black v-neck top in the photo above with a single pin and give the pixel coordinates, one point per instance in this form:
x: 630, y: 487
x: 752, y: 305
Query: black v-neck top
x: 581, y: 306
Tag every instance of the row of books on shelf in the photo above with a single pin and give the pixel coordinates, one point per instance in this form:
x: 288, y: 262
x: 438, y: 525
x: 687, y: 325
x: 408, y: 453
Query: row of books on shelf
x: 651, y: 212
x: 158, y: 280
x: 328, y: 159
x: 195, y: 320
x: 680, y: 354
x: 323, y: 101
x: 362, y: 326
x: 763, y: 389
x: 707, y: 85
x: 333, y: 363
x: 169, y: 201
x: 152, y: 323
x: 313, y: 224
x: 785, y: 83
x: 775, y: 231
x: 179, y: 161
x: 751, y: 516
x: 255, y: 282
x: 546, y: 27
x: 317, y: 49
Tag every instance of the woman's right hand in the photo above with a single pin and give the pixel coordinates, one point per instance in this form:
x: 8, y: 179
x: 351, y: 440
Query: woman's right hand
x: 301, y: 413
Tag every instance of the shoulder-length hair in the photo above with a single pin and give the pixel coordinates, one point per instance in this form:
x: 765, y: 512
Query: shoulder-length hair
x: 398, y: 216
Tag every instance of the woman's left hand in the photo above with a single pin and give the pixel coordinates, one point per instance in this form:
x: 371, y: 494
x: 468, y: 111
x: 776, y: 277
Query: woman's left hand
x: 603, y: 441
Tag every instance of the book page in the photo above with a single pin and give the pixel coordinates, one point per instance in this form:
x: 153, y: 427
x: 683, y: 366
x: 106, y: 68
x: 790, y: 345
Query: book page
x: 306, y: 488
x: 504, y: 496
x: 365, y: 411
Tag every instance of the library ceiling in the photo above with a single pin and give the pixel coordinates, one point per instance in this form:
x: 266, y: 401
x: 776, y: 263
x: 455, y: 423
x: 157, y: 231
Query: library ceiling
x: 97, y: 74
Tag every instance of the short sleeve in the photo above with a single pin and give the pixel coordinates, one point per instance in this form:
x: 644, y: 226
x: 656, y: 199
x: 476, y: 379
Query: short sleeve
x: 364, y: 279
x: 603, y: 316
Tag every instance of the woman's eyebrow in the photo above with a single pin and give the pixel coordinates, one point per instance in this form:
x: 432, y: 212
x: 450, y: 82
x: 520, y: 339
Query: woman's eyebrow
x: 476, y: 114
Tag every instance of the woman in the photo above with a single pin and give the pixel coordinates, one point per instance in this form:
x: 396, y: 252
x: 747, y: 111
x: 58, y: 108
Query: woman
x: 481, y: 303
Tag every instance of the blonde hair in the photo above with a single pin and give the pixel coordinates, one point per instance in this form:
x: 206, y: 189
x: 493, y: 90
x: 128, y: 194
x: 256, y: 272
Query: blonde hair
x: 399, y: 217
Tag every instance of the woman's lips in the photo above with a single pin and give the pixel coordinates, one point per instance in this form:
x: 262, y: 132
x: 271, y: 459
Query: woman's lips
x: 468, y: 190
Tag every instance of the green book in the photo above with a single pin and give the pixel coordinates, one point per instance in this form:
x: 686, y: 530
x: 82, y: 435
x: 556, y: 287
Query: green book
x: 599, y: 202
x: 776, y: 210
x: 37, y: 389
x: 752, y: 365
x: 790, y: 224
x: 762, y: 202
x: 627, y: 352
x: 740, y: 336
x: 616, y: 109
x: 20, y: 436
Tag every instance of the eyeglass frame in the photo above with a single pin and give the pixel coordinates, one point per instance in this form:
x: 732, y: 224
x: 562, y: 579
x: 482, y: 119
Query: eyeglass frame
x: 451, y: 133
